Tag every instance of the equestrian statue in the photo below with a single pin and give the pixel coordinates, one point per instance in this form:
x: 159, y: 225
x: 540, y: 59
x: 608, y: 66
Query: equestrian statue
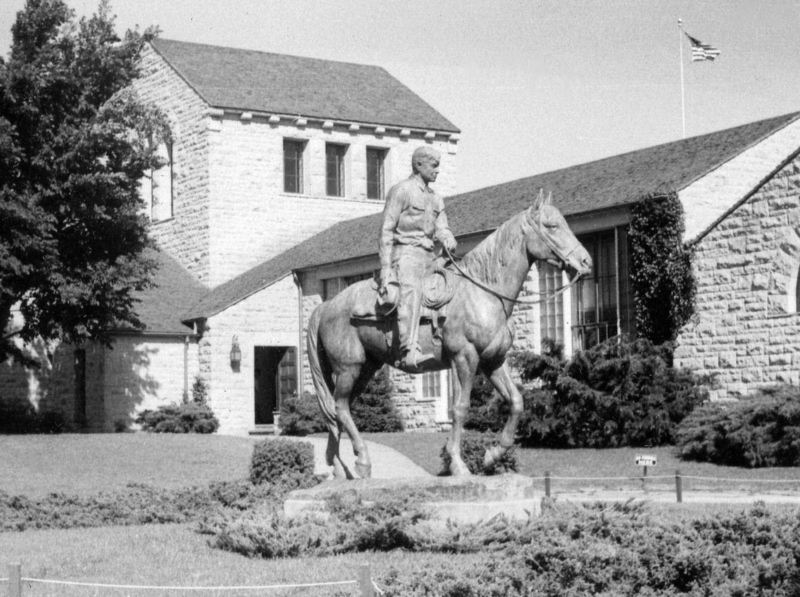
x: 468, y: 305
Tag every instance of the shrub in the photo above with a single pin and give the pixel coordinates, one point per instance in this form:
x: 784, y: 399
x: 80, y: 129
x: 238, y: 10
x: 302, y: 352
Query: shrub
x: 618, y: 393
x: 473, y: 447
x: 179, y: 418
x: 760, y: 430
x: 301, y: 415
x: 21, y: 417
x: 373, y: 409
x: 487, y: 410
x: 282, y: 460
x: 199, y: 391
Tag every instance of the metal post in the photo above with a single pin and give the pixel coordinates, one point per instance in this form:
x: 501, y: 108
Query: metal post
x: 678, y: 486
x: 547, y: 483
x: 15, y: 580
x: 365, y: 581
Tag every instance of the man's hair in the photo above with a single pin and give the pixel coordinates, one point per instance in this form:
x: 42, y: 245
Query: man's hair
x: 423, y: 153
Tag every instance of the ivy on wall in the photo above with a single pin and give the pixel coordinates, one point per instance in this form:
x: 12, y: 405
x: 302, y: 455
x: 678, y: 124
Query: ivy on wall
x: 661, y: 268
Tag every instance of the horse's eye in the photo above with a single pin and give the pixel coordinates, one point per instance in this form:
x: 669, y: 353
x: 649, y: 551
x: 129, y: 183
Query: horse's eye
x: 550, y: 225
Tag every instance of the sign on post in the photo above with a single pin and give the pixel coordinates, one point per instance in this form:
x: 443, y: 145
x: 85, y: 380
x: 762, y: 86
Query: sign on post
x: 645, y: 460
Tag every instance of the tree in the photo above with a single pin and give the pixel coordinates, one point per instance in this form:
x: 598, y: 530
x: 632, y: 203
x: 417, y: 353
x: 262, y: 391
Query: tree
x: 75, y: 140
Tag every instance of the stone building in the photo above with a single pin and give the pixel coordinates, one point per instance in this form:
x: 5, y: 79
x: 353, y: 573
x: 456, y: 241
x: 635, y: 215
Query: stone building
x: 741, y: 193
x: 270, y: 203
x: 265, y: 151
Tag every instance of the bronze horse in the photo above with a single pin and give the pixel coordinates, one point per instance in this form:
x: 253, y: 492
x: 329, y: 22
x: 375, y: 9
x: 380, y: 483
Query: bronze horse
x: 344, y: 353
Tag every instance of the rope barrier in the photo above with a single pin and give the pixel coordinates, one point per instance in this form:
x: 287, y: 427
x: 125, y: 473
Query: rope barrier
x: 729, y: 479
x: 179, y: 588
x: 651, y: 477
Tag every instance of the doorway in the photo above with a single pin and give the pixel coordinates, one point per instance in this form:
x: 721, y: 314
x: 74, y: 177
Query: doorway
x: 79, y: 365
x: 274, y: 378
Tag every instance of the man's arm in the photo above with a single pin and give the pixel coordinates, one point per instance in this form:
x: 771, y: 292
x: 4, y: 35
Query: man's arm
x: 391, y: 214
x: 442, y: 229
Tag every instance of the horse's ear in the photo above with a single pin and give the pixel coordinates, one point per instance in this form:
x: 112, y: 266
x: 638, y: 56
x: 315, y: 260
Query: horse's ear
x: 539, y: 201
x: 549, y: 200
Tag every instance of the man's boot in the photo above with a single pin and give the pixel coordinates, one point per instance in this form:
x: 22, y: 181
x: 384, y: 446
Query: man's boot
x: 408, y: 330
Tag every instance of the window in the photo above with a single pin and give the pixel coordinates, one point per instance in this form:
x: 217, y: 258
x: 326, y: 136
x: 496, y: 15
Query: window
x: 431, y: 385
x: 156, y: 186
x: 334, y: 169
x: 293, y: 165
x: 375, y: 176
x: 551, y: 313
x: 333, y: 286
x: 602, y: 305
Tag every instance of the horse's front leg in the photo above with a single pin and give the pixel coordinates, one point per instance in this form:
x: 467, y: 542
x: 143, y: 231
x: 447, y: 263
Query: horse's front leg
x: 464, y: 366
x: 501, y: 380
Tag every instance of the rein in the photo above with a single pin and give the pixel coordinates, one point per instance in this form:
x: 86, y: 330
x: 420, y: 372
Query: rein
x: 479, y: 284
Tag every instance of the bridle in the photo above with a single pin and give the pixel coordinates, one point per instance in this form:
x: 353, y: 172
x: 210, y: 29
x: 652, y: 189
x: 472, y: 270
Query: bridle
x: 546, y: 296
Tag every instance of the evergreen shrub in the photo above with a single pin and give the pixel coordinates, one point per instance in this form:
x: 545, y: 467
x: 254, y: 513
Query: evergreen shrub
x: 760, y: 430
x: 618, y: 393
x: 21, y: 417
x: 282, y: 460
x: 179, y: 418
x: 473, y: 448
x: 301, y: 415
x: 373, y: 409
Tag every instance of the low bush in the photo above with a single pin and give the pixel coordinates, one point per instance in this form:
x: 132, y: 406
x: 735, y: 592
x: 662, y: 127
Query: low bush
x: 599, y: 549
x: 21, y: 417
x: 373, y: 409
x: 143, y: 504
x: 282, y: 460
x: 473, y: 448
x: 757, y: 431
x: 618, y: 393
x: 191, y: 417
x: 301, y: 415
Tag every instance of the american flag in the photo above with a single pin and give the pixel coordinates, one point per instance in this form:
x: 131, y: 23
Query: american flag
x: 701, y: 51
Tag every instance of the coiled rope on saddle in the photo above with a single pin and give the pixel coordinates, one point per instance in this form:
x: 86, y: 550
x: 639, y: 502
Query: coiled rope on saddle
x: 436, y: 301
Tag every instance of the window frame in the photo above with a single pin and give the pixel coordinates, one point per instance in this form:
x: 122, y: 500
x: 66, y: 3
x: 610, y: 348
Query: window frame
x: 380, y: 172
x: 297, y: 164
x: 335, y: 178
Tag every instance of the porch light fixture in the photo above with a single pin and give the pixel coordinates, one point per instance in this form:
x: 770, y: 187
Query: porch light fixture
x: 236, y: 354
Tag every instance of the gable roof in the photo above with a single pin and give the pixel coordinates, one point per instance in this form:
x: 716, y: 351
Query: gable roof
x: 159, y: 307
x: 603, y: 184
x: 278, y: 83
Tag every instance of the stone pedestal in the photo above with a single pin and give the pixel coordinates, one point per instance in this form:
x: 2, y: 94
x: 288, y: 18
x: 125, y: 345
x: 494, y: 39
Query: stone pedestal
x: 462, y: 499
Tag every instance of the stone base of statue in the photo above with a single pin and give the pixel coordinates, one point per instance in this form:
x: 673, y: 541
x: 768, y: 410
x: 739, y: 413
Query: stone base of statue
x: 461, y: 499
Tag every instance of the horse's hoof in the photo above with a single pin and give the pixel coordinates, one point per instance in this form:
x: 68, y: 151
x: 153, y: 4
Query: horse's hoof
x: 364, y: 470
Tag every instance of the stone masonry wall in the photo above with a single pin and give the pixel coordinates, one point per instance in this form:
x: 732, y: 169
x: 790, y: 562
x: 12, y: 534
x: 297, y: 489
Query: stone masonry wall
x: 268, y: 318
x: 186, y: 235
x: 746, y: 331
x: 145, y: 372
x: 254, y: 220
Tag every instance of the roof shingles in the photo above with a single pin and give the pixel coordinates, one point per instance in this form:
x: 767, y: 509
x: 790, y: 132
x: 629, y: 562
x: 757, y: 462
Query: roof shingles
x: 294, y: 85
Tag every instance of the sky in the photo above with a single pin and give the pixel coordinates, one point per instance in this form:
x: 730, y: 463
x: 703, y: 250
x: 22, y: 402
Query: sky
x: 534, y: 85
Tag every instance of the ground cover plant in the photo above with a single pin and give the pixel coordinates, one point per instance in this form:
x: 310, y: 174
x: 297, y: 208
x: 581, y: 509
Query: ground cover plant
x: 473, y: 449
x: 761, y: 430
x: 617, y: 549
x: 277, y: 467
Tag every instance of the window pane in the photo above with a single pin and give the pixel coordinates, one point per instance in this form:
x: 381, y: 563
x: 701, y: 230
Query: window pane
x: 431, y: 384
x: 375, y: 159
x: 292, y: 166
x: 161, y: 185
x: 595, y: 310
x: 551, y: 315
x: 334, y: 169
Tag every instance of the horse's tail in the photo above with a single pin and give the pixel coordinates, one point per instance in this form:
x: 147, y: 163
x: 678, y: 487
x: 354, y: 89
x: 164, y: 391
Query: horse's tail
x: 324, y: 396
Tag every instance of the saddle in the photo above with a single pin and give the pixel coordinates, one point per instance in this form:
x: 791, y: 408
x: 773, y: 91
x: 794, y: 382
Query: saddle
x: 437, y: 292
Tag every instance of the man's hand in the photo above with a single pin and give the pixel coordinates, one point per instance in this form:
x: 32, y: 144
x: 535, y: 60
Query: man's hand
x: 450, y: 244
x: 386, y: 277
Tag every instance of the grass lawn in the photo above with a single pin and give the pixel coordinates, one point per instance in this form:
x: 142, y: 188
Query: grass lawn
x: 169, y: 555
x: 35, y: 465
x: 424, y: 449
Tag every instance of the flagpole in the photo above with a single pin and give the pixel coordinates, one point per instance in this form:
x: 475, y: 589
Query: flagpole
x: 683, y: 91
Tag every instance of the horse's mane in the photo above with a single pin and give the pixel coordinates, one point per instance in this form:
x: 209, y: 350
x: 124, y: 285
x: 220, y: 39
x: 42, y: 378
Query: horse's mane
x: 486, y: 261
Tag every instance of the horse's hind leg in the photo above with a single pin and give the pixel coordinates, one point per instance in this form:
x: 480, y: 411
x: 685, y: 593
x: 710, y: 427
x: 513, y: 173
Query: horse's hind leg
x: 347, y: 380
x: 501, y: 379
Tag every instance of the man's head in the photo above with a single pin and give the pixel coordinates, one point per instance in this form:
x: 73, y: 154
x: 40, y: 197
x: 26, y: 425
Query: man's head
x: 425, y: 162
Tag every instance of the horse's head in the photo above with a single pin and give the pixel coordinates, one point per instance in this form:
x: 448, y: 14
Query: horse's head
x: 552, y: 240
